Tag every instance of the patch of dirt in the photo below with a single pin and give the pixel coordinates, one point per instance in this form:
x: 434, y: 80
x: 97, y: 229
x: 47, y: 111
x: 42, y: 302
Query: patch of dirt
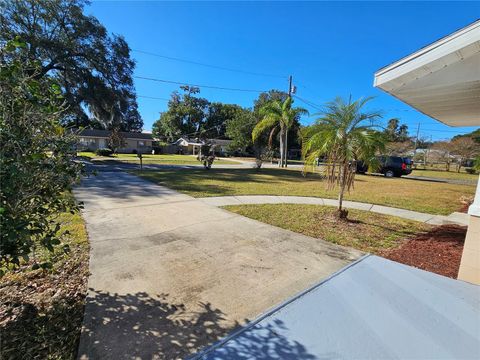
x: 438, y: 250
x: 41, y: 311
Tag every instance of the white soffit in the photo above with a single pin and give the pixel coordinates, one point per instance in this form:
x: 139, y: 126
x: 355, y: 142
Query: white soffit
x: 441, y: 80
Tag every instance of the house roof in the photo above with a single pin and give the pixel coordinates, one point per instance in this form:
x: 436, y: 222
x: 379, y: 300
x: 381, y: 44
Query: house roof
x: 372, y: 309
x: 189, y: 141
x: 202, y: 142
x: 441, y: 80
x: 107, y: 133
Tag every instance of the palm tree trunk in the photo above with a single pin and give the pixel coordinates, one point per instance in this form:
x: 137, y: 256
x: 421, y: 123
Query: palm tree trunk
x: 340, y: 197
x: 286, y: 147
x: 343, y: 182
x: 280, y: 164
x: 342, y: 191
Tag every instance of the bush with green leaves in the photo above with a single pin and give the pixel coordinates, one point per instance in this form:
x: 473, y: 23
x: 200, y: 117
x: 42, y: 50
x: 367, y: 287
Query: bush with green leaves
x: 37, y: 167
x: 104, y: 152
x: 476, y: 163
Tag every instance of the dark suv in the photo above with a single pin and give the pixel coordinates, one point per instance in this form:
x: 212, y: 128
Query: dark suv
x: 390, y: 166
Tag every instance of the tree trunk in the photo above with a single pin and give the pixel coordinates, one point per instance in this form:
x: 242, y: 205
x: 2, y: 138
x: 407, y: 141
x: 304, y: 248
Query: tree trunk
x: 280, y: 163
x: 340, y: 197
x: 286, y: 148
x: 342, y: 214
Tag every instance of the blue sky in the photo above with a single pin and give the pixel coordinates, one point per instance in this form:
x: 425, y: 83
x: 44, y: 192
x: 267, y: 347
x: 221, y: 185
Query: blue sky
x: 330, y: 48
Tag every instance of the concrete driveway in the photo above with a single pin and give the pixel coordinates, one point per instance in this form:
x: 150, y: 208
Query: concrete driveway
x: 171, y: 274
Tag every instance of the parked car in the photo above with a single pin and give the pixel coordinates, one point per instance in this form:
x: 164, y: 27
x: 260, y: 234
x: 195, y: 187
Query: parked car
x: 390, y: 166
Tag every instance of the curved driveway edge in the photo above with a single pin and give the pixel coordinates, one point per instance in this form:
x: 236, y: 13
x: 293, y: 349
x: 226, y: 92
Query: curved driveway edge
x: 454, y: 218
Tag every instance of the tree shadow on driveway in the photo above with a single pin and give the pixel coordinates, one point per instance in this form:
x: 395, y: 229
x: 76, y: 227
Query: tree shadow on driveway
x: 261, y: 342
x: 143, y: 327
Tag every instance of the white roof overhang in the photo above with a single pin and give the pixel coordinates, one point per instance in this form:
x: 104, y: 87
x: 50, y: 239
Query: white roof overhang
x: 187, y: 142
x: 441, y: 80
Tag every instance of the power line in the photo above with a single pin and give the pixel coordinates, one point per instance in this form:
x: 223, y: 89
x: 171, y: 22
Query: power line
x: 208, y: 65
x: 308, y: 102
x: 198, y: 85
x: 443, y: 131
x: 152, y: 97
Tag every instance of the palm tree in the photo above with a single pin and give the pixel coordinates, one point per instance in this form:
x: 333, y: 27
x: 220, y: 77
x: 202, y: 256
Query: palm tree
x: 343, y: 135
x: 278, y: 115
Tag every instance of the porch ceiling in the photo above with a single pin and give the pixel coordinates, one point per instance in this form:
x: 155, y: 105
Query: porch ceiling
x: 441, y: 80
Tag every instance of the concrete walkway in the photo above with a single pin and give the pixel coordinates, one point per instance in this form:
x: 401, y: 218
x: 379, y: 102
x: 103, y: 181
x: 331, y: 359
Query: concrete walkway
x: 171, y: 274
x: 454, y: 218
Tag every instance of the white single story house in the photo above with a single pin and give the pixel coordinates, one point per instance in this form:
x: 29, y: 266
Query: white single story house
x: 442, y: 80
x: 188, y: 146
x: 193, y: 146
x: 93, y: 139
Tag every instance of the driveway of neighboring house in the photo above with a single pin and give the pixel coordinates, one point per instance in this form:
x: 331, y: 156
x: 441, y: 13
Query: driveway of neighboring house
x: 171, y: 274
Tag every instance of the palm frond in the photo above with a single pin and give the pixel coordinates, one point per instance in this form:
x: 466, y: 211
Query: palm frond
x: 271, y: 108
x: 266, y: 123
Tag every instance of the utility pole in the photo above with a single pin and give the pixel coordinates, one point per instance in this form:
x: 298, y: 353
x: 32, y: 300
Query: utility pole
x: 416, y: 140
x: 290, y: 86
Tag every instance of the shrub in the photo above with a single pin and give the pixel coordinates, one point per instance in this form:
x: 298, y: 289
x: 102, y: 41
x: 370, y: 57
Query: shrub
x: 471, y: 170
x: 116, y: 140
x: 37, y: 166
x: 476, y: 163
x: 104, y: 152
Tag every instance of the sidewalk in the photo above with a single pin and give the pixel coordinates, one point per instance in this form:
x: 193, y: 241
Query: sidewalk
x: 454, y: 218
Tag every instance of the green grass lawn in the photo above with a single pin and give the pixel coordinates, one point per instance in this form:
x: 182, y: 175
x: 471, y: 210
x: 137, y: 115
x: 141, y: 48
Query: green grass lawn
x: 42, y: 311
x: 429, y: 197
x: 275, y: 161
x: 164, y: 159
x: 441, y: 174
x: 363, y: 230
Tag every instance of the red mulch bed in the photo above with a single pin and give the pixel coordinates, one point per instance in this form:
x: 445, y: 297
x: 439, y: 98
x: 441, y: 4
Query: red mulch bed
x: 438, y: 250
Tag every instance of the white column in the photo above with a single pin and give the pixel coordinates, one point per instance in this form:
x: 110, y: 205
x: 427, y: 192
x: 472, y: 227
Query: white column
x: 470, y: 264
x: 474, y: 209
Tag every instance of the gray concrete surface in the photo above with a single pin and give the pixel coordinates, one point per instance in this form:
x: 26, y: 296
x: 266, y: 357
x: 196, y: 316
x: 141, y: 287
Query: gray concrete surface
x: 454, y: 218
x: 373, y: 309
x: 171, y: 274
x: 458, y: 218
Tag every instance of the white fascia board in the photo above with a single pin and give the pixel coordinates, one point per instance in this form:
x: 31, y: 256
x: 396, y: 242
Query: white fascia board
x: 429, y: 54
